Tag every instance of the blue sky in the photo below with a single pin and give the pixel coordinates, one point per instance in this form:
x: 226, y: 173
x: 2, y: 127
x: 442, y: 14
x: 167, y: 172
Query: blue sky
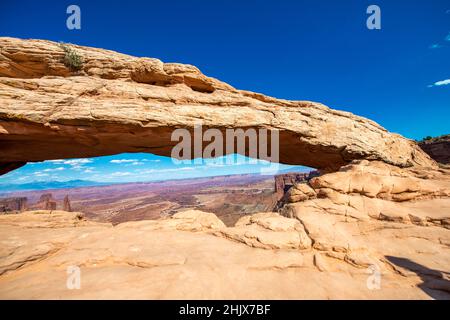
x: 133, y: 167
x: 302, y: 50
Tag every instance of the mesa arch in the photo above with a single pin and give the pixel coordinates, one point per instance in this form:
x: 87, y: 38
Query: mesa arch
x: 118, y: 103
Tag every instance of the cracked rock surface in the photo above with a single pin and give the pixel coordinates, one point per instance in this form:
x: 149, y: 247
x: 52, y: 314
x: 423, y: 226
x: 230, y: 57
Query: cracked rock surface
x: 193, y: 255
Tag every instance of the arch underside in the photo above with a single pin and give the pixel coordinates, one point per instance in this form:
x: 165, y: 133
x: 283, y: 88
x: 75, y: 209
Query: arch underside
x: 118, y: 103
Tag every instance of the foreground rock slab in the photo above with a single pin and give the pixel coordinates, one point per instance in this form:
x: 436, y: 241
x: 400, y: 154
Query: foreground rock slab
x: 187, y: 257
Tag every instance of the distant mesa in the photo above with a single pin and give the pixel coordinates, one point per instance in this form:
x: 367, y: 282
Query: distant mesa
x: 437, y: 148
x: 45, y: 202
x: 46, y: 197
x: 15, y: 204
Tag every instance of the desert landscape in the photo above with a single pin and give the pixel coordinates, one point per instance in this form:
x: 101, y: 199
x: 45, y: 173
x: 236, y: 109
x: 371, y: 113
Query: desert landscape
x: 229, y: 197
x: 372, y: 223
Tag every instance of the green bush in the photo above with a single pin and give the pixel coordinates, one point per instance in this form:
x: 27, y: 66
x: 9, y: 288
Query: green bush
x: 72, y: 59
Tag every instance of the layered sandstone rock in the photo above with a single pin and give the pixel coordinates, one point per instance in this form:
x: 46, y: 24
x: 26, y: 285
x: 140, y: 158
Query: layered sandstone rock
x: 299, y: 192
x: 283, y: 182
x: 268, y: 230
x: 119, y: 103
x: 437, y: 148
x: 45, y: 219
x: 189, y: 220
x: 368, y: 212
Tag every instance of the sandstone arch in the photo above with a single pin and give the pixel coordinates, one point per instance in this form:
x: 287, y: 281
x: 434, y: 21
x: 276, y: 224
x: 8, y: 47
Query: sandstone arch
x: 118, y: 103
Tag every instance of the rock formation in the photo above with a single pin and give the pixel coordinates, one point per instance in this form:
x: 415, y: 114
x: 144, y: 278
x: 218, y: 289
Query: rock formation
x: 372, y: 213
x: 66, y: 204
x: 381, y: 207
x: 45, y: 197
x: 192, y: 255
x: 46, y: 202
x: 268, y: 230
x: 50, y: 205
x: 338, y: 231
x: 437, y: 148
x: 118, y: 103
x: 283, y: 182
x: 15, y: 204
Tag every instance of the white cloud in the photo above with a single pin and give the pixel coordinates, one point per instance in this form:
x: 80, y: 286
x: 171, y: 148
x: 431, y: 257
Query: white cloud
x: 56, y: 169
x: 120, y: 174
x: 123, y: 160
x: 74, y: 163
x: 128, y: 162
x: 230, y: 161
x: 165, y: 170
x: 440, y: 83
x: 40, y: 174
x: 435, y: 46
x: 77, y: 162
x: 56, y: 161
x: 216, y: 165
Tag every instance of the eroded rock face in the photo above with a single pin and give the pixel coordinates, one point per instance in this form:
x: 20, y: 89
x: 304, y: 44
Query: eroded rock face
x: 382, y: 181
x: 283, y: 182
x: 438, y: 148
x: 268, y: 230
x: 118, y: 103
x: 368, y: 211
